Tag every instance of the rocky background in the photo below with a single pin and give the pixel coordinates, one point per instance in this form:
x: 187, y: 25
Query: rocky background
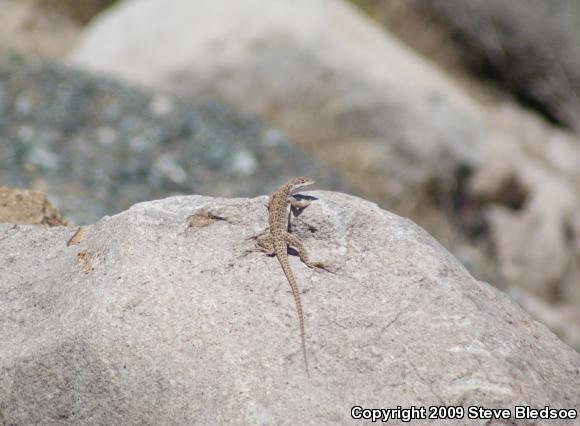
x: 460, y: 114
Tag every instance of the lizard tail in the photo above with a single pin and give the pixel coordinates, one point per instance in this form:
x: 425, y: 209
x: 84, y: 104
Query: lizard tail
x: 296, y: 294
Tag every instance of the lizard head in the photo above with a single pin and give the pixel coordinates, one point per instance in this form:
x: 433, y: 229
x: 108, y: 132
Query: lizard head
x: 299, y: 183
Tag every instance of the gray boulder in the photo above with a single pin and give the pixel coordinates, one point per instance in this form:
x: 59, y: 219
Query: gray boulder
x: 164, y: 314
x: 319, y: 69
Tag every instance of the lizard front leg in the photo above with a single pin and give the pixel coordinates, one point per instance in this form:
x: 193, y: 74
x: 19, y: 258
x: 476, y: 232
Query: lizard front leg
x: 296, y: 207
x: 298, y: 204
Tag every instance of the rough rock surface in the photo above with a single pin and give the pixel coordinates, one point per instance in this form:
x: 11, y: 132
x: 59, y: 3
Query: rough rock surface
x: 96, y: 147
x: 532, y: 46
x: 330, y: 78
x: 24, y: 206
x: 162, y: 314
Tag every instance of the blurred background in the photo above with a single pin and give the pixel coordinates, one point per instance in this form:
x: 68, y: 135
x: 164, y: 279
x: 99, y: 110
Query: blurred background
x: 463, y: 115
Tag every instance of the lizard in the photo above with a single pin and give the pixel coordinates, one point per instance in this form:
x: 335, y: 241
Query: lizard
x: 276, y: 241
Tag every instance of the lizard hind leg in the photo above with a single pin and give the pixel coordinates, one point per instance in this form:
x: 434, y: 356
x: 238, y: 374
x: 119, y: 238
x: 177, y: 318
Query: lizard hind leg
x: 266, y: 244
x: 296, y: 243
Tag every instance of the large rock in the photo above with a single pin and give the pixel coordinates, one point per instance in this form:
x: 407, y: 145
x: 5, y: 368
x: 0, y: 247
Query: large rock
x: 163, y: 315
x: 96, y: 146
x: 334, y: 81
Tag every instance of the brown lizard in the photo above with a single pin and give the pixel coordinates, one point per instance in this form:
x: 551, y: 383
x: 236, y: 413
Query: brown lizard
x: 277, y: 241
